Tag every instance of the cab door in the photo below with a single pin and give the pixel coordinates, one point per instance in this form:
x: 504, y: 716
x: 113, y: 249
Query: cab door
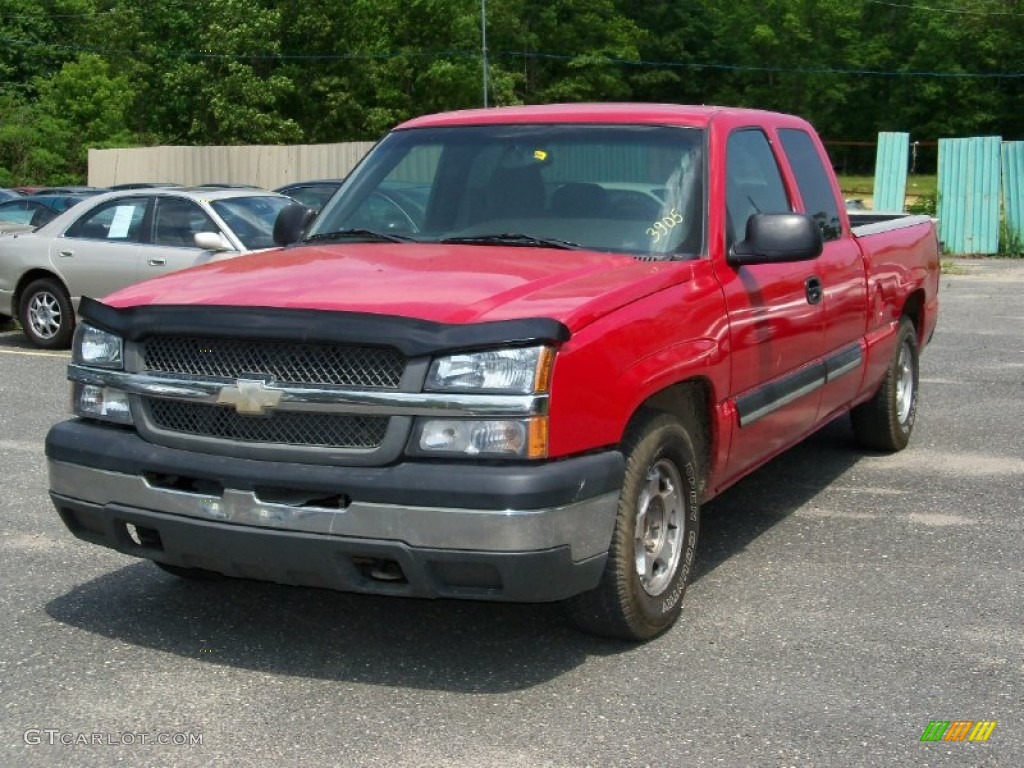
x: 775, y: 314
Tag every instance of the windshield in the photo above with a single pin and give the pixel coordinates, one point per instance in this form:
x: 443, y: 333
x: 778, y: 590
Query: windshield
x: 251, y: 218
x: 630, y: 189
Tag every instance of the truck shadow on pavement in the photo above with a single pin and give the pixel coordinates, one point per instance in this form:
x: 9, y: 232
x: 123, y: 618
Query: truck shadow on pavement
x: 422, y: 644
x: 745, y: 511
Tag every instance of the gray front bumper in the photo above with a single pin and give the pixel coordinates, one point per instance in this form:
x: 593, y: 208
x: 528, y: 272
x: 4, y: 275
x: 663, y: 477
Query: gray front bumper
x: 321, y: 527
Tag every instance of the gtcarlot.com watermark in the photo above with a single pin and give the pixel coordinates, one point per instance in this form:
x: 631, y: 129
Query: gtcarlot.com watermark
x: 55, y: 736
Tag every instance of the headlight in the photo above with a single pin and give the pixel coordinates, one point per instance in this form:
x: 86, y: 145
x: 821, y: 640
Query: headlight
x: 498, y: 438
x: 93, y: 346
x: 101, y: 403
x: 522, y: 371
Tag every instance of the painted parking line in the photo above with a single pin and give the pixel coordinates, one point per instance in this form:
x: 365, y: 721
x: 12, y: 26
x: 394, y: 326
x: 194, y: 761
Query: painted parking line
x: 34, y: 353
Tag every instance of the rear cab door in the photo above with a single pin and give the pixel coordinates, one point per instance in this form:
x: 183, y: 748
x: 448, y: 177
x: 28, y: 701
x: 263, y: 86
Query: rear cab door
x: 840, y: 268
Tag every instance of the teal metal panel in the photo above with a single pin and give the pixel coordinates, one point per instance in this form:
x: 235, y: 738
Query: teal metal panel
x: 968, y: 204
x: 1013, y: 187
x: 890, y: 190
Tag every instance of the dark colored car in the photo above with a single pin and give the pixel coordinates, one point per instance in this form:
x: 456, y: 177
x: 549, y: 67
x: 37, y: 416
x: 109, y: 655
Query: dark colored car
x: 142, y: 185
x: 312, y: 194
x: 70, y: 190
x: 224, y: 185
x: 36, y: 210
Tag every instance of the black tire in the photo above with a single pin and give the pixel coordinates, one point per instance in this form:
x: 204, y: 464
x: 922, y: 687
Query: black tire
x: 884, y: 422
x: 628, y: 604
x: 190, y: 574
x: 46, y: 314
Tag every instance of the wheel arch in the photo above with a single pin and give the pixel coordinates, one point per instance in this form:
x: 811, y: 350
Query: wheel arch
x: 30, y: 277
x: 913, y: 308
x: 692, y: 402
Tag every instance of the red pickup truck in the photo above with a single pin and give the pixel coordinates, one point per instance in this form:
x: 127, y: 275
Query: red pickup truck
x: 507, y: 361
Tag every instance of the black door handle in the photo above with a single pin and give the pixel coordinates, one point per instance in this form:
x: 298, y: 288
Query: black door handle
x: 812, y: 285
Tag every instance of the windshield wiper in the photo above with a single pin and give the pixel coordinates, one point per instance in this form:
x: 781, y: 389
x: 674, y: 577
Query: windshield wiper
x: 359, y: 234
x: 513, y: 238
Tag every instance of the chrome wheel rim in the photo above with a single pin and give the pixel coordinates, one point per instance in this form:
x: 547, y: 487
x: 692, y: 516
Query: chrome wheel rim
x: 660, y: 527
x: 44, y: 315
x: 904, y: 383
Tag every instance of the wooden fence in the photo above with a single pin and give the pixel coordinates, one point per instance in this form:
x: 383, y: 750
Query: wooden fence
x: 980, y: 197
x: 262, y: 166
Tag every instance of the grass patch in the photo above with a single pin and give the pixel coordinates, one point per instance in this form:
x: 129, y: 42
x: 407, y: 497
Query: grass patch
x: 950, y: 267
x: 918, y: 186
x: 1011, y: 243
x: 856, y: 185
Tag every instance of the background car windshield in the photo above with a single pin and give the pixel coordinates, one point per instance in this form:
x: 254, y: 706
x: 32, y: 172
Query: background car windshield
x: 251, y: 218
x: 628, y: 189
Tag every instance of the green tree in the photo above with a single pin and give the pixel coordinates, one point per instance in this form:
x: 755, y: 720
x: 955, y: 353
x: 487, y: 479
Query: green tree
x: 564, y: 50
x: 81, y: 106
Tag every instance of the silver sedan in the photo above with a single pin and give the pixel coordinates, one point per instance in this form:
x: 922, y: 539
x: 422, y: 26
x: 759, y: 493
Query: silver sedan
x: 119, y: 238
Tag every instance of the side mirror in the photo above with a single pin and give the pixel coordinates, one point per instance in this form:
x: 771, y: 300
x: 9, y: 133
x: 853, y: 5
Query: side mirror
x: 777, y: 237
x: 212, y: 241
x: 291, y: 223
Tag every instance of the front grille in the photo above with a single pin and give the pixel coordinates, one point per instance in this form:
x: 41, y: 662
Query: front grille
x: 281, y: 362
x: 288, y: 428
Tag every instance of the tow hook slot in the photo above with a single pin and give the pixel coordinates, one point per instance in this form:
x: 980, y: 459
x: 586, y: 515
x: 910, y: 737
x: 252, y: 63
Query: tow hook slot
x: 297, y: 497
x: 380, y: 569
x: 141, y: 536
x: 207, y: 488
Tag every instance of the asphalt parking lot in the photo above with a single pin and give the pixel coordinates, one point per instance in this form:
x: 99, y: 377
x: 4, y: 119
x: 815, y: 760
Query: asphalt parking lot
x: 842, y: 602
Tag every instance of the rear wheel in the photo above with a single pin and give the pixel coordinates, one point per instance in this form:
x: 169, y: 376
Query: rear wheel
x: 654, y: 544
x: 46, y: 314
x: 884, y: 422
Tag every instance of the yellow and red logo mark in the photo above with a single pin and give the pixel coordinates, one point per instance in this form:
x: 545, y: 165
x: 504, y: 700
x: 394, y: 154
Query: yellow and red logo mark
x: 958, y: 730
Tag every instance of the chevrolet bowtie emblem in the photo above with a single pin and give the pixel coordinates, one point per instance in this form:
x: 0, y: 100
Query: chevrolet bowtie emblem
x: 250, y: 397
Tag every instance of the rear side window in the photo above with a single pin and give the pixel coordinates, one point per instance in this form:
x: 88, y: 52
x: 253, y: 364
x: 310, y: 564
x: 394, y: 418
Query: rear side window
x: 753, y: 182
x: 813, y: 181
x: 119, y: 220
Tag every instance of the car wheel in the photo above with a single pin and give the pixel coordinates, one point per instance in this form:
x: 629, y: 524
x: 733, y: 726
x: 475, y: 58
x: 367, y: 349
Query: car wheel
x: 654, y: 544
x: 884, y: 422
x: 46, y: 314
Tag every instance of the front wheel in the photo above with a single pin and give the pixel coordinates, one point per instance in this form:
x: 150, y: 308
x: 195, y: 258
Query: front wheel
x: 654, y: 544
x: 46, y: 314
x: 884, y: 422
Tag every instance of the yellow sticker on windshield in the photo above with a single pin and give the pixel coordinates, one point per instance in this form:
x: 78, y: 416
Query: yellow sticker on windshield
x: 664, y: 225
x: 540, y: 154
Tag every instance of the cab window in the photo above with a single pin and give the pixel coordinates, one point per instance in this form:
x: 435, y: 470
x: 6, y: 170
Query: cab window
x: 813, y: 181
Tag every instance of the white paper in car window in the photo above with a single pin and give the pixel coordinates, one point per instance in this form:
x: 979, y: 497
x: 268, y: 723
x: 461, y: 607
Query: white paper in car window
x: 121, y: 222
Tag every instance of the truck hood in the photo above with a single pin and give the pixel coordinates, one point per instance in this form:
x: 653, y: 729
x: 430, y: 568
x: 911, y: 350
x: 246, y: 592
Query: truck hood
x: 434, y: 282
